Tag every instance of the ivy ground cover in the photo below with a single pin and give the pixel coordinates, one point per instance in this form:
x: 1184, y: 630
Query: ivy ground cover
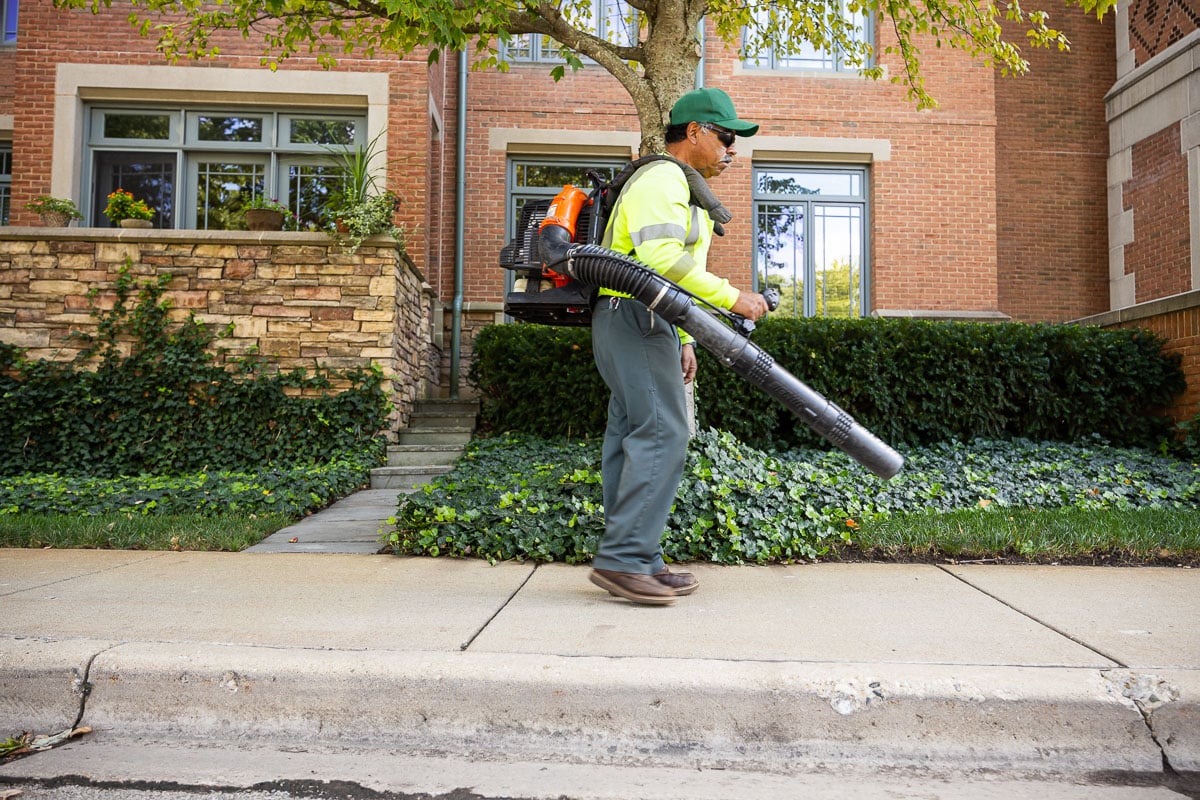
x: 521, y: 497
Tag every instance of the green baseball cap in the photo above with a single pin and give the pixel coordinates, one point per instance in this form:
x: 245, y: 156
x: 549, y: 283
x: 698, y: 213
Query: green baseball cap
x: 710, y: 105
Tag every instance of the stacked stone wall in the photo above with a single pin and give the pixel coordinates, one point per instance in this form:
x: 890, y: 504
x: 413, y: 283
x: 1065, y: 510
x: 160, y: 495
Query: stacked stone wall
x: 298, y: 299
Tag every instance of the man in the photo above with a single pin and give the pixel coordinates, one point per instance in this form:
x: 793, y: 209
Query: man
x: 643, y: 359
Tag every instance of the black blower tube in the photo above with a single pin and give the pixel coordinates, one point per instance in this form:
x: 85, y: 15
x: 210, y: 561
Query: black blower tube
x: 598, y: 266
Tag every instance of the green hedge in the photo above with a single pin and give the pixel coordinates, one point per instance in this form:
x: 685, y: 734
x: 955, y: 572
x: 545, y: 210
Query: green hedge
x: 149, y: 397
x: 909, y: 381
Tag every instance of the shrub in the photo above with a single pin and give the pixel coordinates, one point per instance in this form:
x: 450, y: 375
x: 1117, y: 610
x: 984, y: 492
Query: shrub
x: 909, y: 381
x: 146, y: 397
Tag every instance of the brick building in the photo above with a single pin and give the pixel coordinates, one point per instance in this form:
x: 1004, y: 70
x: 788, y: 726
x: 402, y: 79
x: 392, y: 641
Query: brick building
x: 1071, y: 193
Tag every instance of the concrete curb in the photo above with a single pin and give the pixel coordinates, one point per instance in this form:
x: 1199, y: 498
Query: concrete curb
x: 670, y: 712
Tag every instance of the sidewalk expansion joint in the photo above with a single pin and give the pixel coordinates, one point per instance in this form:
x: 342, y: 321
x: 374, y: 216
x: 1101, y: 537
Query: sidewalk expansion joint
x: 77, y: 576
x: 504, y: 605
x: 1116, y: 661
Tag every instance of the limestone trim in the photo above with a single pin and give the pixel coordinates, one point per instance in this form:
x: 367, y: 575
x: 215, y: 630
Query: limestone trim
x: 542, y: 141
x: 1145, y: 100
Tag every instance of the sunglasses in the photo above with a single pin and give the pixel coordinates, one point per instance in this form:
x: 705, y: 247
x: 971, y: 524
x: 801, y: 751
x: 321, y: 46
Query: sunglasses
x: 723, y: 135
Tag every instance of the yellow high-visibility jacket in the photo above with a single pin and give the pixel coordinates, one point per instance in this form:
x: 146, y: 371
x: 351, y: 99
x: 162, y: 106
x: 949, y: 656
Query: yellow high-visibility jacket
x: 655, y: 221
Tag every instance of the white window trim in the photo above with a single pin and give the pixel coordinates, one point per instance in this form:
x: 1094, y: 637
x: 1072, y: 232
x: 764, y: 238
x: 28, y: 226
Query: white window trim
x: 78, y: 84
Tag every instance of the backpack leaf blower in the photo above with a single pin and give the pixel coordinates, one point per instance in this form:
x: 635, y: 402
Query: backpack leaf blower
x: 574, y: 267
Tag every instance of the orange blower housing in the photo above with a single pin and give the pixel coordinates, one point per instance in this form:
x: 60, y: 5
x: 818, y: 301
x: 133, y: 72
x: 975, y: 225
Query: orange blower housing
x: 540, y: 294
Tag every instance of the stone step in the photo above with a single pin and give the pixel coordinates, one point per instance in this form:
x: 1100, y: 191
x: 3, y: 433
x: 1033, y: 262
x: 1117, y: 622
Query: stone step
x: 422, y: 455
x: 465, y: 408
x: 405, y: 479
x: 434, y: 436
x: 419, y: 420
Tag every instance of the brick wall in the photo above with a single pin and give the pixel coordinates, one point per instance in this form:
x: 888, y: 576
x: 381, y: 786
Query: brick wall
x: 1160, y: 254
x: 1051, y: 166
x: 297, y: 298
x: 1155, y: 25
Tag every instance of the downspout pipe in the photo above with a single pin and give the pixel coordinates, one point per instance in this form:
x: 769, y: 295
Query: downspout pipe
x: 460, y: 191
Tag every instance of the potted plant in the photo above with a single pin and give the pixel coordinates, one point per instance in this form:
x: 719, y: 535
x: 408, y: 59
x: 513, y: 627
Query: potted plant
x: 55, y: 212
x: 368, y: 217
x: 265, y: 214
x: 124, y: 210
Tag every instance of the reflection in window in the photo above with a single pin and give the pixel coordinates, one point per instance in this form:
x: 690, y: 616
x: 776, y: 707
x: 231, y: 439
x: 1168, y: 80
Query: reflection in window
x: 801, y: 54
x: 147, y: 176
x: 223, y: 189
x: 322, y: 131
x: 137, y: 126
x: 309, y: 188
x: 810, y: 229
x: 8, y: 17
x: 612, y: 20
x: 229, y: 129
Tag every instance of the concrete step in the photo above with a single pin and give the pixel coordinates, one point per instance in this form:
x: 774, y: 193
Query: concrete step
x: 422, y: 455
x: 463, y: 408
x: 434, y: 436
x: 405, y: 479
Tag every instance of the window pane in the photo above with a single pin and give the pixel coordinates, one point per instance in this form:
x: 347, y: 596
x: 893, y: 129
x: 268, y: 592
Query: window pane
x: 229, y: 129
x: 222, y: 188
x: 829, y: 184
x: 620, y: 23
x: 837, y: 260
x: 147, y: 176
x: 10, y: 21
x: 322, y: 131
x: 137, y: 126
x: 557, y: 176
x: 309, y: 189
x: 520, y: 48
x: 780, y: 232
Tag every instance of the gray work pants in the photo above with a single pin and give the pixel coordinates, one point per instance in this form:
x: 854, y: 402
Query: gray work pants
x: 645, y: 443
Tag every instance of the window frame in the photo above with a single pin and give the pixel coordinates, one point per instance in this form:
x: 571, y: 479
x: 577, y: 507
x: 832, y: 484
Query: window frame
x: 543, y: 49
x: 807, y: 304
x: 275, y: 149
x: 769, y: 60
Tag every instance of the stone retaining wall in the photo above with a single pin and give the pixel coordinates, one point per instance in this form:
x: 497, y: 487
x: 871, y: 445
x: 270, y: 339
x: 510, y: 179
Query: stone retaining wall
x: 298, y: 298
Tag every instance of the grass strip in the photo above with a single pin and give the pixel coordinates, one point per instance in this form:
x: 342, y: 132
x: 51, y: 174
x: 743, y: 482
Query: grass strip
x: 1063, y: 535
x: 114, y: 531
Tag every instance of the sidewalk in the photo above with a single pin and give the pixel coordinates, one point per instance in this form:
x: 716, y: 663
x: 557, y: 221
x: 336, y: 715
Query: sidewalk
x: 1041, y: 669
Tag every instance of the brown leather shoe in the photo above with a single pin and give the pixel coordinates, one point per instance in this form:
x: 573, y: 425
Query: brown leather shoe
x: 635, y: 587
x: 681, y: 582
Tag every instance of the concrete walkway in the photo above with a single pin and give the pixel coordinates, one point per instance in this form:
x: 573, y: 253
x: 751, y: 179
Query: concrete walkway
x: 1023, y: 669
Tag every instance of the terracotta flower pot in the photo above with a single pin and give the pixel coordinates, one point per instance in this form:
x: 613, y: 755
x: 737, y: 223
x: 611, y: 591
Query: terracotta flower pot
x: 264, y: 219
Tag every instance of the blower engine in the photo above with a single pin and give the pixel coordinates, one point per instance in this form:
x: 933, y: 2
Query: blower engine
x: 560, y: 268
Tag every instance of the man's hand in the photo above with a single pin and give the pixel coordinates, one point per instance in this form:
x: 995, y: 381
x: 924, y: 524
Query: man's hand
x: 750, y: 305
x: 688, y: 360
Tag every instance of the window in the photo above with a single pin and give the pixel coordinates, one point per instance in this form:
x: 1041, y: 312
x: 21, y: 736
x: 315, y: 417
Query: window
x: 803, y: 55
x: 199, y: 167
x: 611, y: 20
x: 8, y: 12
x: 5, y: 183
x: 810, y: 228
